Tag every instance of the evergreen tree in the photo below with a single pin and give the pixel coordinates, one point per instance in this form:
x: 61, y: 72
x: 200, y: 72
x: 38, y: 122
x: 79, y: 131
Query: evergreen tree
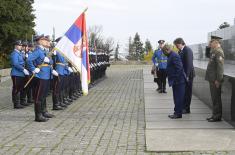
x: 138, y: 48
x: 16, y: 22
x: 148, y: 46
x: 130, y: 49
x: 116, y: 53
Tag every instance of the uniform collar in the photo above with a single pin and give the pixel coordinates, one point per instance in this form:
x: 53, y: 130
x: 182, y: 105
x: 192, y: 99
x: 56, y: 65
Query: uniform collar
x: 17, y: 50
x: 41, y: 47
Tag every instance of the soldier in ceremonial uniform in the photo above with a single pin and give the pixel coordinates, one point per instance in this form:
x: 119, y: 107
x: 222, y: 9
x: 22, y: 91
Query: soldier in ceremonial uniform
x: 39, y: 63
x: 214, y: 75
x: 158, y: 56
x: 18, y: 73
x: 160, y: 61
x: 28, y: 90
x: 58, y: 82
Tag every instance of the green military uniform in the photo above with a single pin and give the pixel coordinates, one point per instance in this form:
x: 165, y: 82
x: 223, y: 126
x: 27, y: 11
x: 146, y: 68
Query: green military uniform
x: 214, y: 72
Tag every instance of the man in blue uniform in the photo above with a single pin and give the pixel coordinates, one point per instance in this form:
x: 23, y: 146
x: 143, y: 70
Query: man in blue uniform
x: 160, y: 61
x: 27, y: 92
x: 186, y: 55
x: 156, y: 59
x: 40, y: 64
x: 176, y: 79
x: 58, y: 82
x: 18, y: 73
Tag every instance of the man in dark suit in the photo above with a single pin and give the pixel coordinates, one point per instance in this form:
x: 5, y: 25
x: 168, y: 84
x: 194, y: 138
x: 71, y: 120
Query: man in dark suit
x: 176, y: 79
x: 186, y: 55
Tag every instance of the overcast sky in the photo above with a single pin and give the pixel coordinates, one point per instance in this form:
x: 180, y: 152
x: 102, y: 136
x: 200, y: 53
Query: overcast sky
x: 153, y: 19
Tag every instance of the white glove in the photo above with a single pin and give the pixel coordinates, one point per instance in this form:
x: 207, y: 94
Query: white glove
x: 36, y: 70
x: 54, y: 52
x: 70, y: 69
x: 55, y: 73
x: 26, y: 72
x: 46, y: 60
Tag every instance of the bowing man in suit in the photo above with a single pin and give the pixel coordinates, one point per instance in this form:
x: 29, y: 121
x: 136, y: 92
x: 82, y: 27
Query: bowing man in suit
x: 176, y: 80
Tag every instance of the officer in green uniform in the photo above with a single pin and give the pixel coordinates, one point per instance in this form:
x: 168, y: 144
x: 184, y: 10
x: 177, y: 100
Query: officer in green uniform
x: 214, y: 75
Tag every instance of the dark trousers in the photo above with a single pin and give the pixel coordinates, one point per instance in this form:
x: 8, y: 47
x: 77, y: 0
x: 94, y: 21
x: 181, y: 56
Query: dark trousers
x: 29, y: 90
x: 17, y: 88
x: 216, y: 101
x: 41, y: 91
x: 57, y: 90
x: 162, y: 79
x: 178, y: 95
x: 188, y: 95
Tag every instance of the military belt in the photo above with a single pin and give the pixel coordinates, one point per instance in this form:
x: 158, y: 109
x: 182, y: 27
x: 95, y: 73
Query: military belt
x: 43, y: 65
x: 59, y: 63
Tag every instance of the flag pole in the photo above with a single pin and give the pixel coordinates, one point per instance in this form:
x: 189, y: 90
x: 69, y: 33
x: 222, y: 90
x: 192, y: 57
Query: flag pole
x: 85, y: 10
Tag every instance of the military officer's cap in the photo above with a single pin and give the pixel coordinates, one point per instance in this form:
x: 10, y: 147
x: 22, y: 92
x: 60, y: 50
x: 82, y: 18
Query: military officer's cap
x: 216, y: 38
x: 161, y: 41
x: 18, y: 42
x: 25, y: 43
x: 47, y: 37
x: 39, y: 37
x: 30, y: 44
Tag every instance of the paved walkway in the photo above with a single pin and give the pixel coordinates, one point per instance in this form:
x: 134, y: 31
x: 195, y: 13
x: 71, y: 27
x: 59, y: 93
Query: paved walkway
x: 191, y: 133
x: 110, y: 120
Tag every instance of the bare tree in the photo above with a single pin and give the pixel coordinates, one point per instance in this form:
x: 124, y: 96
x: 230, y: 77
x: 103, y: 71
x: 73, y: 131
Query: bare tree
x: 98, y: 41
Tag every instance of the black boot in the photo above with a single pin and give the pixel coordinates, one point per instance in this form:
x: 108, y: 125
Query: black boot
x: 16, y: 101
x: 44, y: 110
x: 38, y: 114
x: 56, y: 105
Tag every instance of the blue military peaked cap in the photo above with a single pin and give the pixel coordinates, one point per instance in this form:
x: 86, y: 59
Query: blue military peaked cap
x: 161, y: 41
x: 18, y: 42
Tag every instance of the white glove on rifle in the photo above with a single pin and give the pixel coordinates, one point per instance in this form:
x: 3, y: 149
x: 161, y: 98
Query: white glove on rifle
x: 54, y: 52
x: 26, y: 72
x: 46, y: 60
x: 55, y: 73
x: 70, y: 69
x: 36, y: 70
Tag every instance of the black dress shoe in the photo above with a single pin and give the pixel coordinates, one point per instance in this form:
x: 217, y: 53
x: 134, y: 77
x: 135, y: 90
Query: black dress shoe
x: 164, y: 91
x: 58, y: 108
x: 19, y: 106
x: 48, y: 115
x: 175, y: 116
x: 185, y: 111
x: 214, y: 120
x: 41, y: 118
x: 208, y: 118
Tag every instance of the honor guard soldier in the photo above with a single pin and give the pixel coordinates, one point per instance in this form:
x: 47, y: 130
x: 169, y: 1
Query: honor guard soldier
x: 160, y: 61
x: 28, y: 90
x: 58, y: 82
x: 18, y: 73
x: 40, y: 64
x: 214, y: 75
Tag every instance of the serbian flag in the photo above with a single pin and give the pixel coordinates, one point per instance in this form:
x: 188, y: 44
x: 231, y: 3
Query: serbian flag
x: 74, y: 47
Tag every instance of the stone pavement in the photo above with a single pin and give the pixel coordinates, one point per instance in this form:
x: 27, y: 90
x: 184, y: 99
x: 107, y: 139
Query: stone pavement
x: 191, y: 133
x: 110, y: 120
